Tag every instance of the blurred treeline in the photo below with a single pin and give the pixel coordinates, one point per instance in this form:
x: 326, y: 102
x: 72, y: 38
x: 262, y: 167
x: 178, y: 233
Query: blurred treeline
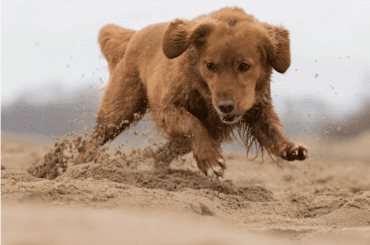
x: 77, y: 111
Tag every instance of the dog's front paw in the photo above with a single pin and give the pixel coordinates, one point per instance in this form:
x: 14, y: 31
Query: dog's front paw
x: 216, y: 169
x: 291, y: 151
x: 212, y: 167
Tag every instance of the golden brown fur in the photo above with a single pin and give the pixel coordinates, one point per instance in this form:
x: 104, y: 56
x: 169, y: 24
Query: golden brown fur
x: 202, y: 80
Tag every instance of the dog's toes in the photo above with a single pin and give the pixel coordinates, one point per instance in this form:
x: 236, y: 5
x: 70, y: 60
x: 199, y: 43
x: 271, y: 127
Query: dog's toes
x: 214, y: 172
x: 291, y: 152
x: 215, y: 169
x: 221, y: 163
x: 302, y: 153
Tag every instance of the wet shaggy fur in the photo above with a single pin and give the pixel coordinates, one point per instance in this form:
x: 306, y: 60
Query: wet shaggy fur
x: 204, y: 81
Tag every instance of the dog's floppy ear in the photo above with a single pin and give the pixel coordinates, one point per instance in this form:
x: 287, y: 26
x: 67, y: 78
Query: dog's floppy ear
x: 181, y: 33
x: 278, y: 47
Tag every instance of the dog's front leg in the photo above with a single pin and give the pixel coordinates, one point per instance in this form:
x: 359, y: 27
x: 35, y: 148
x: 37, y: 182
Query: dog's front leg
x: 268, y: 130
x: 178, y: 123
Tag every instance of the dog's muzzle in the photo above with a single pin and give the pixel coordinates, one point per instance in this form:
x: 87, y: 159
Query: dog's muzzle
x: 228, y: 112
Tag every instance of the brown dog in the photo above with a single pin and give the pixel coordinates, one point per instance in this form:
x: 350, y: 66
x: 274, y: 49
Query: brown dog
x: 202, y: 79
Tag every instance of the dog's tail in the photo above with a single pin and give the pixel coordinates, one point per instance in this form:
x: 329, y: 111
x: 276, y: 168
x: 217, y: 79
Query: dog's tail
x: 113, y: 42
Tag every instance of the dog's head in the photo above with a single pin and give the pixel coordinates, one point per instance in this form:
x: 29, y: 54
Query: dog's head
x: 235, y: 59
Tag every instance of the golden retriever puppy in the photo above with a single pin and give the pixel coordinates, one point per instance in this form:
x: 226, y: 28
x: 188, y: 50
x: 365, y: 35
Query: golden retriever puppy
x: 204, y: 81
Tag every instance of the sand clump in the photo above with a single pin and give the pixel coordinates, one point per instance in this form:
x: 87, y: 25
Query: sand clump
x: 64, y: 152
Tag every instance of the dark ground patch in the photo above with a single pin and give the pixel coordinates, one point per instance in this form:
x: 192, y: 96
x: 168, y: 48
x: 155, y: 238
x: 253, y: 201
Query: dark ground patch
x: 167, y: 179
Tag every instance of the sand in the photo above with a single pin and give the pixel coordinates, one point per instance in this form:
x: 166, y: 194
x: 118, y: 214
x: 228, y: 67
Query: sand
x: 127, y: 199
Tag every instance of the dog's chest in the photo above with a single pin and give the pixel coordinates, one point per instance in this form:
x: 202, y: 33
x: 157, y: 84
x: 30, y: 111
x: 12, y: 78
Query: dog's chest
x: 198, y: 106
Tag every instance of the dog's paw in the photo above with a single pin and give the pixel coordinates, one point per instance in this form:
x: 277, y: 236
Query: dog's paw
x: 291, y: 151
x: 212, y: 167
x: 215, y: 169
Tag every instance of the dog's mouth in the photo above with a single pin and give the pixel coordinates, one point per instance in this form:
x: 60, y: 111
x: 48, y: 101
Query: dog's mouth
x: 231, y: 118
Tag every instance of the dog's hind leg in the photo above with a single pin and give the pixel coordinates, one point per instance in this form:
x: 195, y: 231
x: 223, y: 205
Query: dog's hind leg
x: 124, y: 102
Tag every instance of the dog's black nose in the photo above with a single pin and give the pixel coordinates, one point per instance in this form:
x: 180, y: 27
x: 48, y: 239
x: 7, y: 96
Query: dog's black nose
x: 226, y: 106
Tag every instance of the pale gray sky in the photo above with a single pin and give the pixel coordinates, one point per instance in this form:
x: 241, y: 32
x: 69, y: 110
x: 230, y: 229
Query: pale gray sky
x: 47, y: 41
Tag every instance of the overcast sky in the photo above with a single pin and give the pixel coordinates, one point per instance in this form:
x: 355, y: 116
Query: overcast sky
x: 43, y: 42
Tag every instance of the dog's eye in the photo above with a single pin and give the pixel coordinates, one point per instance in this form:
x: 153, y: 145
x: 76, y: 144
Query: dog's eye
x: 243, y: 67
x: 211, y: 67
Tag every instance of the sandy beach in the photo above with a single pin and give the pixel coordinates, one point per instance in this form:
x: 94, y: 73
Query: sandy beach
x: 323, y: 200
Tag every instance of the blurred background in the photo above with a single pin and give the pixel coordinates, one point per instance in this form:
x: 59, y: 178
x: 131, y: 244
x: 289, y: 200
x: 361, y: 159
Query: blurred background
x: 51, y: 65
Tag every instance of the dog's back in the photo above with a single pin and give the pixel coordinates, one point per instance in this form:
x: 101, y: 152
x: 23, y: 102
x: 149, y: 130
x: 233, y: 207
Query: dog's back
x: 113, y: 42
x: 231, y: 16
